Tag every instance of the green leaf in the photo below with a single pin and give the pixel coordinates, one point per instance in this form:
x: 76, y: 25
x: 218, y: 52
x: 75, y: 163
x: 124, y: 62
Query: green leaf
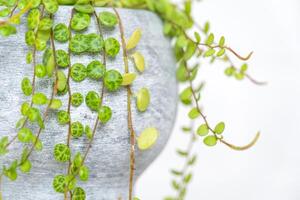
x: 147, y: 138
x: 88, y: 9
x: 33, y: 19
x: 209, y: 52
x: 176, y: 172
x: 26, y: 86
x: 244, y: 67
x: 108, y: 19
x: 182, y: 153
x: 202, y: 130
x: 95, y: 70
x: 25, y: 135
x: 62, y: 58
x: 139, y: 61
x: 188, y: 178
x: 194, y: 113
x: 63, y: 117
x: 40, y: 71
x: 77, y: 129
x: 51, y: 5
x: 21, y: 122
x: 113, y: 80
x: 62, y: 152
x: 61, y: 33
x: 61, y: 80
x: 84, y: 173
x: 88, y: 132
x: 78, y: 194
x: 219, y: 129
x: 26, y: 166
x: 206, y: 27
x: 78, y: 72
x: 197, y: 37
x: 76, y: 99
x: 104, y: 114
x: 221, y: 52
x: 11, y: 172
x: 55, y: 104
x: 80, y: 21
x: 210, y: 140
x: 79, y: 44
x: 7, y: 30
x: 92, y: 100
x: 112, y: 47
x: 134, y: 39
x: 3, y: 145
x: 39, y: 99
x: 77, y: 160
x: 222, y: 41
x: 210, y: 39
x: 143, y: 99
x: 59, y: 183
x: 45, y: 24
x: 95, y: 42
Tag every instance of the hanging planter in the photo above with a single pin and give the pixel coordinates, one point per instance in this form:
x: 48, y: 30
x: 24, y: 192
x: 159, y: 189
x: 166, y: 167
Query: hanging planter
x: 98, y: 95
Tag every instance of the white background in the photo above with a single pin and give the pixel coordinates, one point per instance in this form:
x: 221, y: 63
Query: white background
x: 270, y: 170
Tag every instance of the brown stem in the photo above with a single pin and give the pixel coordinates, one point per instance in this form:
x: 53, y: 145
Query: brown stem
x: 129, y: 115
x: 69, y: 99
x: 240, y: 148
x: 32, y: 84
x: 52, y: 95
x: 250, y: 78
x: 89, y: 146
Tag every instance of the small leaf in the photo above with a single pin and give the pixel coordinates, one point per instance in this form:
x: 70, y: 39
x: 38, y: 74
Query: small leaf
x: 182, y: 153
x: 202, y: 130
x: 197, y: 36
x: 209, y: 52
x: 128, y: 78
x: 62, y: 153
x: 187, y: 178
x: 219, y: 129
x: 25, y: 135
x: 39, y: 99
x: 84, y: 173
x: 176, y: 172
x: 55, y: 104
x: 143, y: 99
x: 134, y: 39
x: 194, y: 113
x: 210, y: 140
x: 139, y: 61
x: 210, y: 39
x: 222, y: 41
x: 147, y: 138
x: 104, y: 114
x: 221, y: 52
x: 61, y: 80
x: 206, y: 27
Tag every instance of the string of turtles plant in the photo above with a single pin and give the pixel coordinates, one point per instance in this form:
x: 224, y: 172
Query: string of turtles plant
x: 43, y: 34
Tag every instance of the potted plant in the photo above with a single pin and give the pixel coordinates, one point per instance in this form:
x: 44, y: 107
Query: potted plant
x: 98, y: 93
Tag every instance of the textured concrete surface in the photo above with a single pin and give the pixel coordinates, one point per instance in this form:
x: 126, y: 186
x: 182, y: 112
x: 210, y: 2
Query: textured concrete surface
x: 109, y: 157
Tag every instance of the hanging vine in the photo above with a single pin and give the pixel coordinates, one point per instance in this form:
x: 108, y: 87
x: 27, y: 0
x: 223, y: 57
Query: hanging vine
x: 42, y: 35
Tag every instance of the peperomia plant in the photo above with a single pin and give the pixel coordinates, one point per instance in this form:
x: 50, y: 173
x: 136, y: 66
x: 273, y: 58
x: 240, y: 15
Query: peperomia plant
x: 42, y: 36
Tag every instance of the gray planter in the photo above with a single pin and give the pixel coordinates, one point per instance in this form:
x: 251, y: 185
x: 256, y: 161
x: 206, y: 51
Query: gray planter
x: 109, y: 157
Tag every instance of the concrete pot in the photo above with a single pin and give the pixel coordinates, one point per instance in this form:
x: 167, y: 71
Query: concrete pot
x: 108, y: 159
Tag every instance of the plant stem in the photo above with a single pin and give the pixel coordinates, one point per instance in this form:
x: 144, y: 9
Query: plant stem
x: 234, y: 147
x: 32, y: 84
x: 129, y: 115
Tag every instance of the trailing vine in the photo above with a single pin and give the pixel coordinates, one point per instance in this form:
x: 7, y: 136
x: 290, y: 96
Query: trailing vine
x: 42, y: 35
